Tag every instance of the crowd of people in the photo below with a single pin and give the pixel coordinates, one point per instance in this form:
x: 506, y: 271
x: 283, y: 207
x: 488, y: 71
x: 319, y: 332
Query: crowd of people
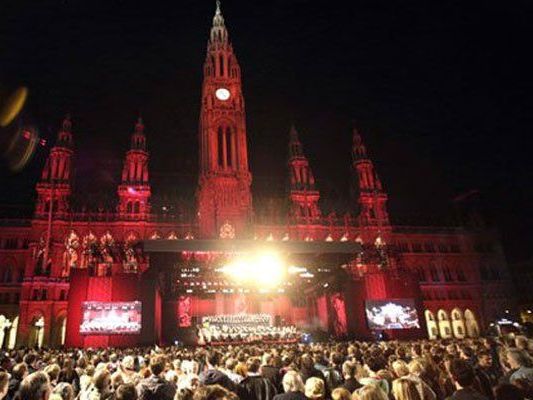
x: 470, y: 369
x: 240, y: 319
x: 224, y: 334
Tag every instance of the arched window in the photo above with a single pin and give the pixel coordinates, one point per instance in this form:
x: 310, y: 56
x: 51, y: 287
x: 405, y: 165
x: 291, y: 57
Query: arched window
x: 136, y: 208
x: 460, y: 274
x: 220, y: 134
x: 483, y: 272
x: 434, y: 274
x: 7, y: 275
x: 129, y: 209
x: 221, y: 65
x: 421, y: 274
x: 229, y: 152
x: 447, y: 274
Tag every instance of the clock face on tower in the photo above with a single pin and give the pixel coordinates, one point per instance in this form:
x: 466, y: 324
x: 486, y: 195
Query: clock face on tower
x: 222, y: 94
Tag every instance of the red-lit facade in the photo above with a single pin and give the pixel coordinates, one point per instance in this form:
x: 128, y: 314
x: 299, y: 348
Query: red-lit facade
x: 461, y: 276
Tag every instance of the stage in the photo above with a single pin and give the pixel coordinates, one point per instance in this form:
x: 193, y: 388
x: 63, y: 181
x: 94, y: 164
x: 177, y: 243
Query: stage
x: 313, y: 287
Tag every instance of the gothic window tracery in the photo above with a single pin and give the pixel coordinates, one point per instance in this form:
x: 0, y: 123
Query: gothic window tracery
x: 89, y: 250
x: 130, y: 263
x: 70, y: 255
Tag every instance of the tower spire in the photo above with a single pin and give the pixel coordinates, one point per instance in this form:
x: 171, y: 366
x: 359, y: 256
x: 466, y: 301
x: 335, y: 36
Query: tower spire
x: 372, y: 198
x: 303, y: 194
x: 138, y: 139
x: 53, y: 190
x: 295, y: 146
x: 64, y: 136
x: 219, y: 33
x: 134, y: 191
x: 359, y: 149
x: 224, y: 196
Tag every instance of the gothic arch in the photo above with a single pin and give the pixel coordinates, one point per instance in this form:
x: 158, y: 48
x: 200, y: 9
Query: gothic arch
x: 60, y: 329
x: 226, y: 143
x: 70, y: 255
x: 431, y: 323
x: 8, y: 270
x: 458, y: 324
x: 472, y: 327
x: 7, y: 273
x: 131, y: 237
x: 155, y: 235
x: 107, y: 239
x: 12, y: 338
x: 89, y: 239
x: 3, y: 321
x: 36, y: 331
x: 445, y: 330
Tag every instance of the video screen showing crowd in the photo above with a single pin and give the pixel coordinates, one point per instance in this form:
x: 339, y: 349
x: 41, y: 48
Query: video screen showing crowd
x: 391, y: 314
x: 244, y: 328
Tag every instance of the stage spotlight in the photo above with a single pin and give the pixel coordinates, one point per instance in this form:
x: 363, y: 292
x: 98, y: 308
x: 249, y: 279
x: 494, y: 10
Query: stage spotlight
x: 264, y: 269
x: 296, y: 270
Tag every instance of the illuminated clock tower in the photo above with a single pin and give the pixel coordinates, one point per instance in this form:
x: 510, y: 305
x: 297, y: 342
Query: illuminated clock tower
x: 224, y: 198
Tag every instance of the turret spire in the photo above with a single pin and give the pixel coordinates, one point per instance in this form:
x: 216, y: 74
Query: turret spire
x: 359, y: 149
x: 219, y: 33
x: 303, y: 194
x: 56, y: 174
x: 138, y: 139
x: 295, y: 146
x: 64, y: 136
x: 372, y: 198
x: 134, y: 191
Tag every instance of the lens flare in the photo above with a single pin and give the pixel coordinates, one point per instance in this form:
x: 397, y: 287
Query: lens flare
x: 12, y: 106
x: 21, y: 147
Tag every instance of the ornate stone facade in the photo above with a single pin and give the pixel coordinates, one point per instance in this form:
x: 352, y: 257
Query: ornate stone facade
x: 462, y: 273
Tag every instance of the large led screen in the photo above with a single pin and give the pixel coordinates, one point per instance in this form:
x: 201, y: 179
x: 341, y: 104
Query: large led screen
x: 103, y: 318
x: 391, y: 314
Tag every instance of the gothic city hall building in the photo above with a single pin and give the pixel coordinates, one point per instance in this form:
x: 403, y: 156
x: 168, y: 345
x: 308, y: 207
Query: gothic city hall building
x: 331, y: 274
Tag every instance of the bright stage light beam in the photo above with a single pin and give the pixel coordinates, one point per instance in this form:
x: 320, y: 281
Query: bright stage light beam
x: 263, y: 269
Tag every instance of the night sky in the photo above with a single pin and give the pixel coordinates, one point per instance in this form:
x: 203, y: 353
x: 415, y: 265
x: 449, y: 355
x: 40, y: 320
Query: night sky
x: 441, y: 92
